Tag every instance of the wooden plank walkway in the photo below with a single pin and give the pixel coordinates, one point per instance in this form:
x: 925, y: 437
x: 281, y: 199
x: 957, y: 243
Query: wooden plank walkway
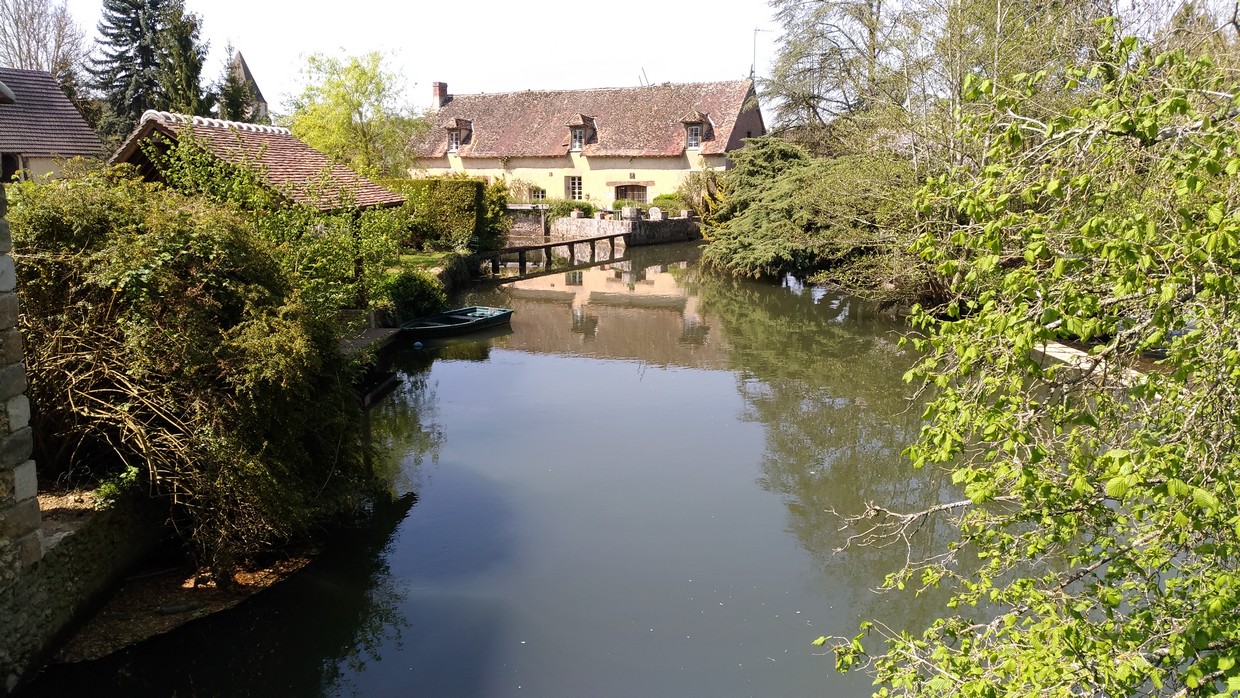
x: 546, y: 248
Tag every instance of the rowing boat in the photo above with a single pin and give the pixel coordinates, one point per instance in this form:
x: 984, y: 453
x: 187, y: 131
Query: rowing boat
x: 454, y: 322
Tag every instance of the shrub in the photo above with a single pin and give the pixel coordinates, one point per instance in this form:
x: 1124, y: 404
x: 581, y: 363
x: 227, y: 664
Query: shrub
x: 563, y: 208
x: 164, y: 334
x: 849, y: 218
x: 448, y: 212
x: 495, y: 222
x: 414, y: 294
x: 672, y: 203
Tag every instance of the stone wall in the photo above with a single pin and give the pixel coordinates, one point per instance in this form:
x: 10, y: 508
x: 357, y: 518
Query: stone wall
x: 636, y: 232
x: 21, y: 541
x: 527, y: 220
x: 71, y: 579
x: 21, y: 544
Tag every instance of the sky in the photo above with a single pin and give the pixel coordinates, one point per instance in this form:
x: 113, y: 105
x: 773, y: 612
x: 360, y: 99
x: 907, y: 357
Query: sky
x: 486, y: 46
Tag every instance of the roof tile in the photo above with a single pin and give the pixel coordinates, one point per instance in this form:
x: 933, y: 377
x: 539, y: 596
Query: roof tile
x: 43, y: 122
x: 629, y: 121
x: 288, y: 164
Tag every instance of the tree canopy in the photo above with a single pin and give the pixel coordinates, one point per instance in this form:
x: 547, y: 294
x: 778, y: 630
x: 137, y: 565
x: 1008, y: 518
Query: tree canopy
x: 1098, y: 507
x: 182, y: 54
x: 351, y: 109
x: 40, y: 35
x: 149, y: 57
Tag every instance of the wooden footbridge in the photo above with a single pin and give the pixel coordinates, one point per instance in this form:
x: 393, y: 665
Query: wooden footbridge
x: 575, y: 253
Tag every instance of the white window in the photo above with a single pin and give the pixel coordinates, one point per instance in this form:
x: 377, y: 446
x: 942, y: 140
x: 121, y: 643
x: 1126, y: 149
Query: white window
x: 454, y: 141
x: 538, y: 194
x: 579, y: 138
x: 572, y: 188
x: 694, y: 136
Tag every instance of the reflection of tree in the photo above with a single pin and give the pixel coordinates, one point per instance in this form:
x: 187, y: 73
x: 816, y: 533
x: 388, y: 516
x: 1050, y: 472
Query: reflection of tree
x: 823, y: 374
x: 310, y: 633
x: 296, y: 639
x: 403, y: 427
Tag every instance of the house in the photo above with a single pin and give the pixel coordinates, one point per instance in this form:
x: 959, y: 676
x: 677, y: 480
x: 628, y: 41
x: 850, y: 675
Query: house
x: 285, y: 163
x: 42, y: 128
x: 596, y: 145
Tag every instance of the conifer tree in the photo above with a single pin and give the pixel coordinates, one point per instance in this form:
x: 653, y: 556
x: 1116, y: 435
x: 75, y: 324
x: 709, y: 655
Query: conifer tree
x: 126, y: 69
x: 181, y: 58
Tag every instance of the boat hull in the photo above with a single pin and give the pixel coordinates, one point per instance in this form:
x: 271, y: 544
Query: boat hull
x: 456, y: 322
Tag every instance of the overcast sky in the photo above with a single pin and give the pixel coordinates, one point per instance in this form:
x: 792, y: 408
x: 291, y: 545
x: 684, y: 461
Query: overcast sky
x: 486, y: 45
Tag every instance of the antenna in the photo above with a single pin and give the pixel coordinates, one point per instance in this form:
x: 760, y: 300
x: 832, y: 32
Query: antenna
x: 753, y: 67
x: 647, y: 83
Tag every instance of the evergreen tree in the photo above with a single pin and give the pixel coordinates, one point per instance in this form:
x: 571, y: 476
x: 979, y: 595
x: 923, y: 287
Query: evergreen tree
x: 126, y: 70
x: 181, y: 58
x: 235, y: 95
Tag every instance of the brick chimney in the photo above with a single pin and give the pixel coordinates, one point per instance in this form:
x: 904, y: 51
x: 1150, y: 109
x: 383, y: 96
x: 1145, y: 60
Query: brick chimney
x: 439, y: 90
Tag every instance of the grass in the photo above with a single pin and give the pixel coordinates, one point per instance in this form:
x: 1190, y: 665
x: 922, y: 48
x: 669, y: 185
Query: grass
x: 423, y: 261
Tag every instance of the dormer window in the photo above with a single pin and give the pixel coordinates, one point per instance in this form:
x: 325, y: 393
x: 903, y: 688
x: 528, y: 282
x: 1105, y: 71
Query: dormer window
x: 697, y: 129
x: 458, y: 133
x: 581, y: 132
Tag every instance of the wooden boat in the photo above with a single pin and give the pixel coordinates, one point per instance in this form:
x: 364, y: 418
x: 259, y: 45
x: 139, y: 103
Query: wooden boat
x: 454, y: 322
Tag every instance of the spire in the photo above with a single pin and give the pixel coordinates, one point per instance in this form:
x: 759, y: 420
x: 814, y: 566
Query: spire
x: 242, y: 72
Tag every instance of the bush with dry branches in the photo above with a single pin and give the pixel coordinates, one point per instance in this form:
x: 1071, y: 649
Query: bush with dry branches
x: 164, y: 336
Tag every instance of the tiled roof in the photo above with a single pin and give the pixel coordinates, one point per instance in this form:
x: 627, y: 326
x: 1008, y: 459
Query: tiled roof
x: 286, y: 163
x: 629, y: 121
x: 43, y: 122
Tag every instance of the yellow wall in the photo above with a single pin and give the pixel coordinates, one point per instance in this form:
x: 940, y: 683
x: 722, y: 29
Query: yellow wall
x: 38, y: 167
x: 599, y: 175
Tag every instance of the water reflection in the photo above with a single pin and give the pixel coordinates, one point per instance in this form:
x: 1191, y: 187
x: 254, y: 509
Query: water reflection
x: 639, y: 309
x: 316, y: 633
x: 628, y: 494
x: 820, y: 372
x: 823, y: 374
x: 313, y: 634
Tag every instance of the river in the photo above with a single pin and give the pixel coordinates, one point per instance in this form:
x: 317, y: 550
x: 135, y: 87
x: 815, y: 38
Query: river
x: 632, y: 494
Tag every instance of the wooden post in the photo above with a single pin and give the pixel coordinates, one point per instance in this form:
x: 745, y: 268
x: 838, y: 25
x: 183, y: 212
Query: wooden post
x: 521, y: 262
x: 593, y: 251
x: 572, y: 254
x: 495, y: 264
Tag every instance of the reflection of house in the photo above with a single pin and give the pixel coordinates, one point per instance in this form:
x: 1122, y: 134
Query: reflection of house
x: 615, y: 311
x: 43, y: 126
x: 289, y: 166
x: 597, y: 145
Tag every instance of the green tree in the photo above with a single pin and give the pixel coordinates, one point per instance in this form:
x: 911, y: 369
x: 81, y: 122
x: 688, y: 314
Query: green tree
x: 352, y: 110
x: 234, y: 95
x: 1099, y: 499
x: 126, y: 69
x: 181, y: 57
x: 850, y: 218
x: 837, y: 59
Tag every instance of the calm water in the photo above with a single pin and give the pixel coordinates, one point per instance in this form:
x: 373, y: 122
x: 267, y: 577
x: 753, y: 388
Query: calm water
x: 629, y: 495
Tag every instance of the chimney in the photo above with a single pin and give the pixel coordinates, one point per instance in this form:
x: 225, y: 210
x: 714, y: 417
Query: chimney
x: 439, y: 90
